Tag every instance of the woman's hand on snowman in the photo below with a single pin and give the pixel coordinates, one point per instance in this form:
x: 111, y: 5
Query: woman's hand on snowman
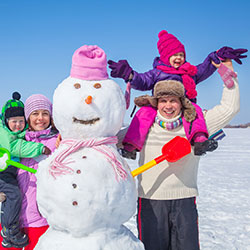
x: 121, y: 69
x: 58, y: 140
x: 46, y: 151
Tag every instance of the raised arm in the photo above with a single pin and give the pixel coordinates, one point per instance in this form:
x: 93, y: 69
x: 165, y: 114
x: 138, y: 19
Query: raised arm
x: 206, y: 68
x: 220, y: 115
x: 139, y: 81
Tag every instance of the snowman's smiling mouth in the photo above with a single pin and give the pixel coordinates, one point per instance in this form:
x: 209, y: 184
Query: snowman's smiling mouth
x: 86, y: 122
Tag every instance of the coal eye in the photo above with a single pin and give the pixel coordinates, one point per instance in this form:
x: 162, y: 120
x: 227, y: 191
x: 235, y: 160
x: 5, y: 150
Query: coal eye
x: 97, y: 85
x: 77, y: 85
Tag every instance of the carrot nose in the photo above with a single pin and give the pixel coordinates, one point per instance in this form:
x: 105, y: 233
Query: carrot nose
x: 88, y: 100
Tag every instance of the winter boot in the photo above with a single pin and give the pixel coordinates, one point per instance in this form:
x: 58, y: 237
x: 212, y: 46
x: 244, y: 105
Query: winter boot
x: 13, y: 237
x: 200, y: 148
x: 127, y: 154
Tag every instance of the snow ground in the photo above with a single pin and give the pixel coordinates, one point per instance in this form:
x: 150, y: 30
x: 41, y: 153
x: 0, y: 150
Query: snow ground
x: 224, y: 194
x: 224, y: 200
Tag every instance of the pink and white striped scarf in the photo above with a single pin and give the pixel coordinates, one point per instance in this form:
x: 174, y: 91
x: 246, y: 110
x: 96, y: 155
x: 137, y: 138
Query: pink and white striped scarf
x: 59, y: 166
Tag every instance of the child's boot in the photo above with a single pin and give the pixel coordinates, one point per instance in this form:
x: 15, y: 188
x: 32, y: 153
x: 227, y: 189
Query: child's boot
x: 127, y: 154
x: 128, y: 151
x: 13, y: 237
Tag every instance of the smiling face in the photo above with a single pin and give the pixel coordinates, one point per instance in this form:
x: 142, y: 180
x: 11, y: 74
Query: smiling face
x: 169, y: 106
x: 84, y: 109
x: 39, y: 120
x: 177, y: 60
x: 16, y: 123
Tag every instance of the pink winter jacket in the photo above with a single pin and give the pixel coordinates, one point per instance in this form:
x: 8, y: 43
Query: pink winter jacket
x: 144, y: 119
x: 30, y: 215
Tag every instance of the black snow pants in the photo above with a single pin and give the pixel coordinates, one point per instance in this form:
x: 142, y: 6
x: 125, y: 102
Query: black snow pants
x: 11, y: 207
x: 168, y: 224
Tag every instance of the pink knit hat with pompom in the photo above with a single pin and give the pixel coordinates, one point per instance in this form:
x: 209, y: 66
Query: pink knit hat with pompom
x: 89, y: 62
x: 168, y: 45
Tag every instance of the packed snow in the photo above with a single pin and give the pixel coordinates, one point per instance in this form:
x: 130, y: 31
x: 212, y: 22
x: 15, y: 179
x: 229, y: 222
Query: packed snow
x: 85, y: 189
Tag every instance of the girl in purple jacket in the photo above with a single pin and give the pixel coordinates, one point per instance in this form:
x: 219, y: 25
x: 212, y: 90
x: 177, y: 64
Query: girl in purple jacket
x: 38, y: 112
x: 171, y: 65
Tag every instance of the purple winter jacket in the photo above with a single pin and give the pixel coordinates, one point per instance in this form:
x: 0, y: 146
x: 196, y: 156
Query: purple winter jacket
x: 30, y: 215
x: 145, y: 117
x: 147, y: 80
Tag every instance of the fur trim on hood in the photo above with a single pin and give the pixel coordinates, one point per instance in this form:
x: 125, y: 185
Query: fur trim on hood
x: 169, y: 88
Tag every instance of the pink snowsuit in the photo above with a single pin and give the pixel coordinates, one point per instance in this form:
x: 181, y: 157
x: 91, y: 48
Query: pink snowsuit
x: 30, y: 215
x: 144, y: 119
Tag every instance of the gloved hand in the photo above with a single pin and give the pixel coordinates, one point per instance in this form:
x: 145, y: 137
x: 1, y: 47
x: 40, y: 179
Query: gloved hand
x: 200, y: 148
x: 46, y: 151
x: 3, y: 159
x: 230, y: 53
x: 120, y: 69
x: 2, y: 196
x: 126, y: 154
x: 213, y: 56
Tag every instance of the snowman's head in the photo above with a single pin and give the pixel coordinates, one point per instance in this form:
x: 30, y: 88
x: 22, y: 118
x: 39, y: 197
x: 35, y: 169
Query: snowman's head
x: 88, y: 104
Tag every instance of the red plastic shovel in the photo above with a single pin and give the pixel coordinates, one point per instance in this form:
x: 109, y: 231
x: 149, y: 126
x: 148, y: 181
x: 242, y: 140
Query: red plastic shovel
x: 172, y: 151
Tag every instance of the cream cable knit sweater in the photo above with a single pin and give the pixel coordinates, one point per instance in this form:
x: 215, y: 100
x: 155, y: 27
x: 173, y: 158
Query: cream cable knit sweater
x: 167, y: 181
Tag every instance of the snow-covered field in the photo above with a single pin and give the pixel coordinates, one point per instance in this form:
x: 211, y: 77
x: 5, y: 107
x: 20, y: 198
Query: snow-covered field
x: 224, y: 194
x: 224, y: 187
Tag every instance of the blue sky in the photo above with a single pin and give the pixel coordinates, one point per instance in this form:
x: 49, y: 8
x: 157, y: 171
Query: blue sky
x: 38, y: 39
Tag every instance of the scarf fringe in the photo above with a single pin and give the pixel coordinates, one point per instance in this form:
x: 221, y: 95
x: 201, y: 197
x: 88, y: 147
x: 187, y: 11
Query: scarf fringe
x: 186, y: 71
x: 59, y: 166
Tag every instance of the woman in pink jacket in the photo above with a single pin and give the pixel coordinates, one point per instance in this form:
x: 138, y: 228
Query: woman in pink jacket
x: 38, y: 112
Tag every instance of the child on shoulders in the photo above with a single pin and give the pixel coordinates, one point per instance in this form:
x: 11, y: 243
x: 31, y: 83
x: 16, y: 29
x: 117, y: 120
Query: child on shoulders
x: 171, y: 65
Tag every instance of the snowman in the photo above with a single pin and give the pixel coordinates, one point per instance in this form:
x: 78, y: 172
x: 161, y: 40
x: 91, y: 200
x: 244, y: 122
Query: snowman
x: 85, y: 189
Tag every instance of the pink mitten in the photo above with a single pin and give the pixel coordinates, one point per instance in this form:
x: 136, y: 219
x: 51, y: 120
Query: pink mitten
x: 227, y: 75
x: 127, y: 95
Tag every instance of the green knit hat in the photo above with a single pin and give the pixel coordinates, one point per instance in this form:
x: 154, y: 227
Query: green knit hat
x: 13, y: 107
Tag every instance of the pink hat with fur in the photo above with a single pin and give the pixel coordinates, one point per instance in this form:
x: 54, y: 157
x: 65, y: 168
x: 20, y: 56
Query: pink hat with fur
x: 168, y: 45
x: 89, y: 62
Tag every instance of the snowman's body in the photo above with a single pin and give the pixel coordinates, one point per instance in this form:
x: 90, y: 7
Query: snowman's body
x: 87, y: 203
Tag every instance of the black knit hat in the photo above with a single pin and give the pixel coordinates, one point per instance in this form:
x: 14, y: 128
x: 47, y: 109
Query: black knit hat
x: 13, y: 107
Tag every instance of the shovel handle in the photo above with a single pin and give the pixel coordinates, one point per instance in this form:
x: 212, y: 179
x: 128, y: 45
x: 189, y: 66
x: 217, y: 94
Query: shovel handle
x: 148, y: 165
x: 19, y: 165
x: 143, y: 168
